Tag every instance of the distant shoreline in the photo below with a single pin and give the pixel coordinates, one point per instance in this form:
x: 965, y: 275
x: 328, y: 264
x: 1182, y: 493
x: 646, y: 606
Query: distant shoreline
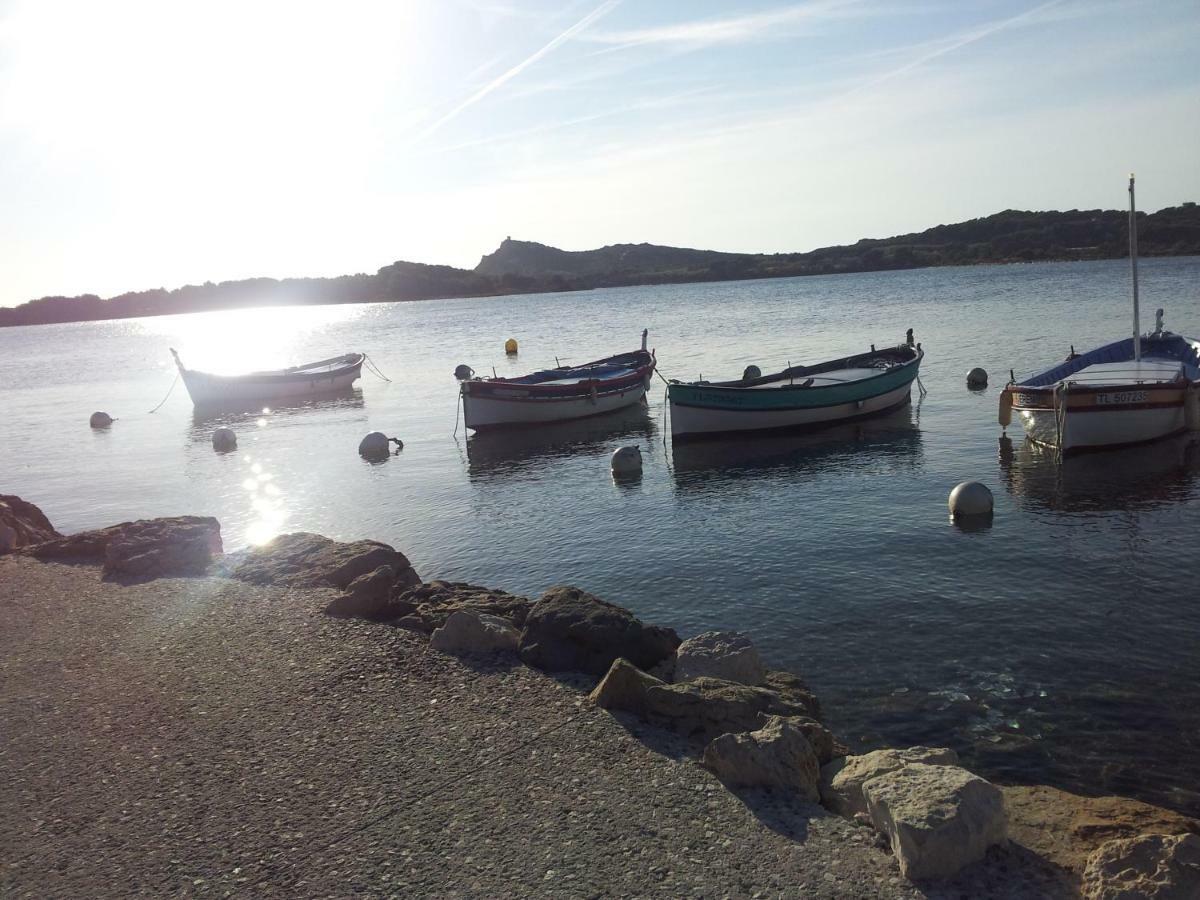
x: 585, y: 290
x: 524, y: 267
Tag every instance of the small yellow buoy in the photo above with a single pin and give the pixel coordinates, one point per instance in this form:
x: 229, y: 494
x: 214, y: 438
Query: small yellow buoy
x: 510, y: 346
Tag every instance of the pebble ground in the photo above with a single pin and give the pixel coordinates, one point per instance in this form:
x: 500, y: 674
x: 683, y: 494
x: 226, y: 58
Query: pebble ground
x: 202, y: 736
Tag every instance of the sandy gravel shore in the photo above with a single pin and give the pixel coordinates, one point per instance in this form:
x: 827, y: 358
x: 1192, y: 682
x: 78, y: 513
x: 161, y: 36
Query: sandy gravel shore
x: 204, y: 736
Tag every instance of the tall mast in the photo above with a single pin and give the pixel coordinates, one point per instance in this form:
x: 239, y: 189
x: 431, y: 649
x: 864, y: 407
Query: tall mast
x: 1137, y: 331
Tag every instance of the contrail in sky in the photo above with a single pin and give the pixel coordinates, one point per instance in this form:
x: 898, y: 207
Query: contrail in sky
x: 601, y: 10
x: 961, y: 41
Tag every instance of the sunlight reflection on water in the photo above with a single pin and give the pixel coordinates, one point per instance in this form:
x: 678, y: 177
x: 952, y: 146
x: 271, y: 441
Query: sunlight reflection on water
x: 1058, y: 645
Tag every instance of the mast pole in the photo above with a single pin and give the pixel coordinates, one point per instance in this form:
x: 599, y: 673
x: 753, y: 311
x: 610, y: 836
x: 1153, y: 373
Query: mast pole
x: 1137, y: 331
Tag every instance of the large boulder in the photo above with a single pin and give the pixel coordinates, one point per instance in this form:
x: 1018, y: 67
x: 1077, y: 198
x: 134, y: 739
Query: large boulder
x: 624, y: 688
x: 22, y: 524
x: 707, y: 707
x: 312, y: 560
x: 793, y: 690
x: 367, y: 596
x: 1148, y: 867
x: 147, y: 548
x: 426, y: 607
x: 568, y: 629
x: 938, y: 819
x: 778, y: 755
x: 843, y: 779
x: 472, y: 634
x: 1066, y: 828
x: 720, y: 654
x: 824, y: 744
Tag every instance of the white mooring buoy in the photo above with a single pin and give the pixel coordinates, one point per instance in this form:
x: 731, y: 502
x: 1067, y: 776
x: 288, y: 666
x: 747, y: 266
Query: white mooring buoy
x: 627, y: 461
x: 977, y: 378
x: 970, y: 500
x: 100, y: 420
x: 224, y: 440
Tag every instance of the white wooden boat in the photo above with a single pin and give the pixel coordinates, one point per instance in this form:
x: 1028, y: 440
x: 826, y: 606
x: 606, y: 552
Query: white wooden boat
x: 557, y: 395
x: 1132, y: 391
x: 854, y: 387
x: 325, y: 376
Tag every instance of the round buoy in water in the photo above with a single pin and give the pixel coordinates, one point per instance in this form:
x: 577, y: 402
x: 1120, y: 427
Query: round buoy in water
x: 751, y: 372
x: 510, y: 346
x: 970, y: 500
x: 977, y: 378
x: 374, y: 446
x: 224, y: 440
x: 100, y: 420
x: 463, y: 372
x: 627, y: 461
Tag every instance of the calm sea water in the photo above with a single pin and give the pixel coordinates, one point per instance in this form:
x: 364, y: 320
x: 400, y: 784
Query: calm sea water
x: 1060, y: 645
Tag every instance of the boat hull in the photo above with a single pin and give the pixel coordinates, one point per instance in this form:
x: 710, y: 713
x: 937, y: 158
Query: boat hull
x: 490, y: 413
x: 698, y: 411
x: 1104, y: 429
x: 558, y: 395
x: 218, y: 390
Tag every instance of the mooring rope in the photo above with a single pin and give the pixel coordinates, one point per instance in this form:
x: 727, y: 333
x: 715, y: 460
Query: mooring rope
x: 1060, y: 416
x: 666, y: 407
x: 164, y: 399
x: 457, y: 409
x: 374, y: 368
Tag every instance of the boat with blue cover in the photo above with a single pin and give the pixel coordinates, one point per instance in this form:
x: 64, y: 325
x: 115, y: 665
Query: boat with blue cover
x: 1140, y: 389
x: 559, y: 394
x: 1114, y: 396
x: 841, y: 390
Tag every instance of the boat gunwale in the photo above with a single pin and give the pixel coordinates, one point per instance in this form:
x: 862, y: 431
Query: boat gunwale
x: 734, y: 388
x: 643, y: 361
x: 295, y: 373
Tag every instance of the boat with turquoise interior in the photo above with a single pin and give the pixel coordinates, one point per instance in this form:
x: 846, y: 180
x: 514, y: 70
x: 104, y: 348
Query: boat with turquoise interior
x: 799, y: 397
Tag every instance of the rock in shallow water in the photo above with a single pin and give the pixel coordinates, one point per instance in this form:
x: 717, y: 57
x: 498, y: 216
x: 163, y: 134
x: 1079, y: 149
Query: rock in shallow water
x: 778, y: 755
x: 1149, y: 867
x: 312, y: 560
x: 938, y: 819
x: 1067, y: 828
x: 720, y: 654
x: 569, y: 629
x: 472, y: 634
x: 22, y: 524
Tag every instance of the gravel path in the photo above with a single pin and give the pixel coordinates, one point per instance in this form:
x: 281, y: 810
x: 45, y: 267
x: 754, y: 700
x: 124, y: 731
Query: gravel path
x: 204, y: 736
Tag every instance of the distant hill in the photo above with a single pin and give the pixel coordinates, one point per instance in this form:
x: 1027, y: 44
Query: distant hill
x: 524, y: 267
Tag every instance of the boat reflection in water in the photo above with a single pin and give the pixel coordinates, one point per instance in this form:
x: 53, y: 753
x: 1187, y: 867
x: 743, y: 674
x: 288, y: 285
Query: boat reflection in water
x: 509, y: 452
x: 208, y: 418
x: 888, y: 441
x: 1141, y: 477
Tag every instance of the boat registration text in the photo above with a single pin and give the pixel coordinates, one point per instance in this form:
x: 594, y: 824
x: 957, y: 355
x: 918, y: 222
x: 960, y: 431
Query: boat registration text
x: 1121, y: 398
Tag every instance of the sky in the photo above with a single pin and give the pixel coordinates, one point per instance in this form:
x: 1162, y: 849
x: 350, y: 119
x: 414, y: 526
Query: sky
x: 154, y: 143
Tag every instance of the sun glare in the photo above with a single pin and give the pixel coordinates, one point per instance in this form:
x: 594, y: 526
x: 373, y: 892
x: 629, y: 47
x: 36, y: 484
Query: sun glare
x: 247, y: 340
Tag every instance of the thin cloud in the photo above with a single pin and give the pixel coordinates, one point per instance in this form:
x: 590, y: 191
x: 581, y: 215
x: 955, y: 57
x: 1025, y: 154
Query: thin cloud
x: 954, y: 43
x: 600, y: 11
x: 730, y: 30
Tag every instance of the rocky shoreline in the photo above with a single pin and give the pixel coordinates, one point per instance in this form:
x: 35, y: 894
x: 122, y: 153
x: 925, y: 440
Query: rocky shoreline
x: 708, y: 706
